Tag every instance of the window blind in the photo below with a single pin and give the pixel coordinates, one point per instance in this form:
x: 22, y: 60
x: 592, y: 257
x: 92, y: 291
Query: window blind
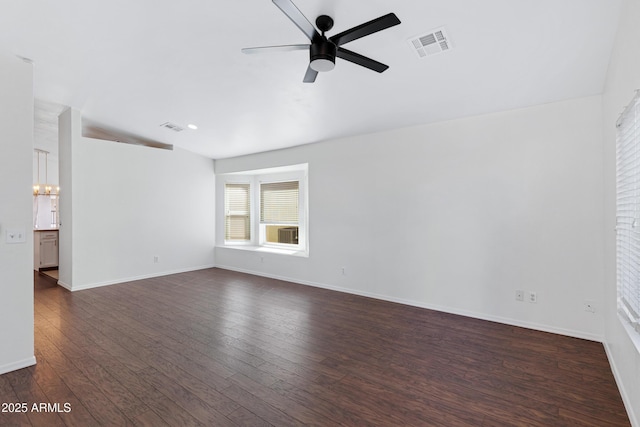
x: 237, y: 202
x: 628, y: 212
x: 279, y: 202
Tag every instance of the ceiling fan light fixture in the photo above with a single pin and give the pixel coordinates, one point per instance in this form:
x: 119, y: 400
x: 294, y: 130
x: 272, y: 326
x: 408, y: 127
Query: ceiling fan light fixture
x: 323, y: 56
x: 322, y: 65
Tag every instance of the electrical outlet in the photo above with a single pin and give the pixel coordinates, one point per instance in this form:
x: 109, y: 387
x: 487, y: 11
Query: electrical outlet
x: 590, y: 306
x: 532, y: 297
x: 156, y: 259
x: 15, y: 235
x: 519, y: 295
x: 344, y: 271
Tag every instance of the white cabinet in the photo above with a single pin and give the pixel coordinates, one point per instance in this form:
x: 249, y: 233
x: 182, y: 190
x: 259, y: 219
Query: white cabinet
x: 45, y: 247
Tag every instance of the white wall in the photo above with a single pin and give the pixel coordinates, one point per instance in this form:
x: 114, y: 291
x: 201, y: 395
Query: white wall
x: 456, y: 216
x: 130, y: 204
x: 69, y: 126
x: 622, y: 80
x: 16, y: 260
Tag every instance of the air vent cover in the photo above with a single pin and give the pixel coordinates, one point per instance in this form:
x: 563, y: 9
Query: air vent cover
x: 431, y: 43
x: 172, y: 126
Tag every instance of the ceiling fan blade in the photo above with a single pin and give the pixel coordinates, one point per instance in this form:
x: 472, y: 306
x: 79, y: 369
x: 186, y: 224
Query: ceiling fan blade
x: 290, y: 9
x: 365, y: 29
x: 356, y: 58
x: 272, y: 49
x: 310, y: 75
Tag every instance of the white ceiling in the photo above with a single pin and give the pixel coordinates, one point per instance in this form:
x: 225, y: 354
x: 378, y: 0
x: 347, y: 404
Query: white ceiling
x: 133, y: 65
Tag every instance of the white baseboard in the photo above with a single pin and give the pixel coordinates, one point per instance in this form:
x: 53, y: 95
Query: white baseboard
x: 64, y: 285
x: 633, y: 418
x: 451, y: 310
x: 74, y: 288
x: 30, y: 361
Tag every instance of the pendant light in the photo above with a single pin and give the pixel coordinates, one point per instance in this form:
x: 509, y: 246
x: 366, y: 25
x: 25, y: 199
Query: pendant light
x: 36, y: 187
x: 47, y: 187
x: 48, y: 190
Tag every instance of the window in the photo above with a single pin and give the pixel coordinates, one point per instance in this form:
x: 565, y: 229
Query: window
x: 267, y: 210
x: 279, y: 212
x: 237, y: 218
x: 628, y: 213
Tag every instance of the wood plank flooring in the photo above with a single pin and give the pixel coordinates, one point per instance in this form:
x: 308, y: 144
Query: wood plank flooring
x: 219, y: 348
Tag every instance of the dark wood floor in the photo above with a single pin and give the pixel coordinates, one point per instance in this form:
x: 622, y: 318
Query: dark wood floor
x: 219, y: 348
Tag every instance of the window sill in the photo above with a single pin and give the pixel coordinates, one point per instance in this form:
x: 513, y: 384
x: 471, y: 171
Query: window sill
x: 267, y: 249
x: 634, y: 336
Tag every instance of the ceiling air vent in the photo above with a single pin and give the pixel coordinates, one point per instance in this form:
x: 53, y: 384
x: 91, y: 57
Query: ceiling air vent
x: 172, y: 126
x: 431, y: 43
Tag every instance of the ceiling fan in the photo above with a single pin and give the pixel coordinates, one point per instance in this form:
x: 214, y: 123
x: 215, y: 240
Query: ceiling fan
x: 323, y: 50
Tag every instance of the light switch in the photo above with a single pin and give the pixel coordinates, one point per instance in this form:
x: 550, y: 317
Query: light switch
x: 15, y: 235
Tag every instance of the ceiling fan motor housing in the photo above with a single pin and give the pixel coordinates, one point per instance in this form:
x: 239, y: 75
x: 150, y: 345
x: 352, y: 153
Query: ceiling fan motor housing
x: 323, y: 55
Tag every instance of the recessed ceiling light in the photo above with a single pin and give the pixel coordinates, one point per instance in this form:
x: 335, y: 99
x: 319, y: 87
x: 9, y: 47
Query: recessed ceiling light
x: 172, y: 126
x: 192, y: 126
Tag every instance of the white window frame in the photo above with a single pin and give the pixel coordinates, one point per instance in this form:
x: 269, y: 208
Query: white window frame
x: 258, y: 231
x: 628, y: 219
x: 239, y: 180
x: 302, y: 214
